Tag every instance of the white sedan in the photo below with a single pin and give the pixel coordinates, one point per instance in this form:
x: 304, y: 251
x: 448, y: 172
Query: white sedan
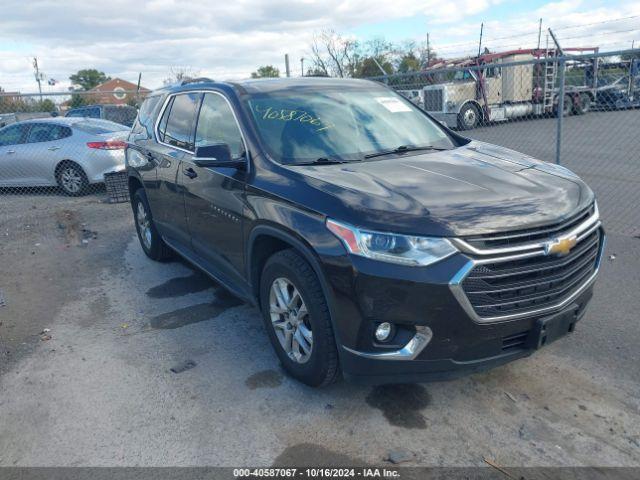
x: 72, y: 153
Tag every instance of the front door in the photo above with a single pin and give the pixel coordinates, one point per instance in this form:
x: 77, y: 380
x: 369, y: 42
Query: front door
x: 214, y: 197
x: 12, y: 154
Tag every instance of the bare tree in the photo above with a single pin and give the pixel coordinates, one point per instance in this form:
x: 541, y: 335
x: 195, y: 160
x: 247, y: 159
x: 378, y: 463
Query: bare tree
x: 333, y: 54
x: 178, y: 74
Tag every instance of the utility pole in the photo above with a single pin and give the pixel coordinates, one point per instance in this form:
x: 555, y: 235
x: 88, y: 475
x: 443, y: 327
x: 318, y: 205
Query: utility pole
x: 286, y: 64
x: 539, y: 32
x: 302, y: 67
x: 480, y: 42
x: 38, y: 76
x: 428, y: 51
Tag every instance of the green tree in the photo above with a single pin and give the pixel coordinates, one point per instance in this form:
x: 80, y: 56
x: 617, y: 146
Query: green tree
x: 88, y: 78
x: 266, y: 71
x: 77, y: 101
x: 45, y: 105
x: 367, y: 67
x: 409, y: 63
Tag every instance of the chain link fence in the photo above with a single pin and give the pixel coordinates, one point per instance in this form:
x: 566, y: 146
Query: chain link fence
x: 575, y: 108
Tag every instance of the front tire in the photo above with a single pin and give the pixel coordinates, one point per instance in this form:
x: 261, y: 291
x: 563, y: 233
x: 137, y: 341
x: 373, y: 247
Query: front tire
x: 296, y: 316
x: 469, y: 117
x: 150, y: 240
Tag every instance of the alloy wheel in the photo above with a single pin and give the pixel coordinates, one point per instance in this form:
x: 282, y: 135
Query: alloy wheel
x: 71, y: 180
x: 290, y: 320
x: 144, y: 225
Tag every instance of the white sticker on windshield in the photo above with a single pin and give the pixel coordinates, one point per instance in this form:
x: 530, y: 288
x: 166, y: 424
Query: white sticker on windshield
x: 393, y: 104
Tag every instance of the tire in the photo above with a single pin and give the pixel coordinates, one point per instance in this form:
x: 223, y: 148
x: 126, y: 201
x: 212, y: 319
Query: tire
x: 567, y: 107
x: 469, y: 117
x: 313, y: 362
x: 71, y: 179
x: 150, y: 240
x: 583, y: 104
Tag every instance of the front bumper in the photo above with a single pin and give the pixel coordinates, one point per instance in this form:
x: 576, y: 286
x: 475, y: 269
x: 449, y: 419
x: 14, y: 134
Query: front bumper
x: 436, y: 337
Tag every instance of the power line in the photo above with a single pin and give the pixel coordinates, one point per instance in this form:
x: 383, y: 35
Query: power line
x: 520, y: 35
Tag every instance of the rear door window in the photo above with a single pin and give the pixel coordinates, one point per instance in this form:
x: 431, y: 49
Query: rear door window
x: 180, y: 123
x: 46, y: 132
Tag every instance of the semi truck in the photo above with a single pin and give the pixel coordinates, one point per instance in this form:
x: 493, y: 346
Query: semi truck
x: 487, y: 89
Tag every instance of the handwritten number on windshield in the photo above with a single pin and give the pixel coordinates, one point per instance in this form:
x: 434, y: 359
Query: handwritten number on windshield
x: 286, y: 115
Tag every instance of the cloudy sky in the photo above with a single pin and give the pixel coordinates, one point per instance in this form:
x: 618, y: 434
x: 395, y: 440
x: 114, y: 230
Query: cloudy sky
x: 230, y: 39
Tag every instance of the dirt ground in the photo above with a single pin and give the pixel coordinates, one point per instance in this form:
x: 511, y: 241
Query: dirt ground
x: 91, y: 330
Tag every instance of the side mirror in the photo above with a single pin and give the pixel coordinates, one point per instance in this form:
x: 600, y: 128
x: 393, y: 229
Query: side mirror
x: 216, y: 155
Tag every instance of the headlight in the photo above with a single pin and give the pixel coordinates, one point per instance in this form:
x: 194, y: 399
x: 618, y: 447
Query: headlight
x: 391, y: 247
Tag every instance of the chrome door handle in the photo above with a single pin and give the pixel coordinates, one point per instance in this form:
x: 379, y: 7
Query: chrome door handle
x: 190, y: 172
x: 53, y: 148
x: 10, y: 152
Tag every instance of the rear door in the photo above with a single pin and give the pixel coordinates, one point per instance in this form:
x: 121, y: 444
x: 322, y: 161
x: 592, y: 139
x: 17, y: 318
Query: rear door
x: 45, y: 144
x: 12, y: 154
x: 214, y: 197
x: 175, y: 141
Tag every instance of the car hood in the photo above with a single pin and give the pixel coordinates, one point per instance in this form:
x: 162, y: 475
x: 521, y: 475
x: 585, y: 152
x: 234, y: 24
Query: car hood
x: 474, y: 189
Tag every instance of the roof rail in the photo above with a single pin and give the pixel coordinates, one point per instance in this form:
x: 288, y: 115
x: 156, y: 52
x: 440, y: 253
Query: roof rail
x: 195, y: 80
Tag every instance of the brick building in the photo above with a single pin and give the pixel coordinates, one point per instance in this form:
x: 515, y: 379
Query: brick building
x: 119, y: 89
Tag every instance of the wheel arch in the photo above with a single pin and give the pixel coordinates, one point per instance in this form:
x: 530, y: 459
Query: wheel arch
x: 276, y: 239
x: 67, y: 161
x: 134, y: 184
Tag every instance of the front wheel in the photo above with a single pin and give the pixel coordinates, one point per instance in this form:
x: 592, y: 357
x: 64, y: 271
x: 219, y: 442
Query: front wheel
x: 469, y: 117
x: 297, y: 319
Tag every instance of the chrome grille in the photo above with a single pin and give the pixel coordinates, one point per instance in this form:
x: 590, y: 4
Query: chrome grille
x: 517, y: 286
x: 433, y: 100
x: 510, y: 278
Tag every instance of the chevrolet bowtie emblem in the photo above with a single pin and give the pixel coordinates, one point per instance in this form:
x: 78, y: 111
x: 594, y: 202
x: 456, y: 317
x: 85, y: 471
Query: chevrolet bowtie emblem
x: 560, y: 246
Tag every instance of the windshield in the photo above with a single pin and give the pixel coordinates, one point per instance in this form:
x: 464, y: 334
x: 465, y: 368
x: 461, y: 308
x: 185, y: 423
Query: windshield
x: 303, y: 125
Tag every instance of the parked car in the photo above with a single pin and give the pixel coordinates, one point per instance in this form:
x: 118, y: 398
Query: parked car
x: 72, y: 153
x: 376, y: 242
x: 123, y: 114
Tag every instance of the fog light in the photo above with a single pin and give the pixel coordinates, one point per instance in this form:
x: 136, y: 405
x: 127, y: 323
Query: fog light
x: 383, y: 331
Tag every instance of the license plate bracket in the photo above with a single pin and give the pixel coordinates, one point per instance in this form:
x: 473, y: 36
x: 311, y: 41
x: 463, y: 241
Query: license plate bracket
x: 548, y: 329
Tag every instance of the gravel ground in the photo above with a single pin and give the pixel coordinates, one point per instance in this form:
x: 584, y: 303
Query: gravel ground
x: 100, y: 390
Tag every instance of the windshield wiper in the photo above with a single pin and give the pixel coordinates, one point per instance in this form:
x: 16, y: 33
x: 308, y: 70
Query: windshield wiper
x: 404, y: 148
x: 324, y: 161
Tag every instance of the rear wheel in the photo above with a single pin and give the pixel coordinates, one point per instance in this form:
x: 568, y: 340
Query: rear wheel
x: 567, y: 106
x: 296, y: 316
x: 469, y: 117
x: 71, y: 179
x: 583, y: 104
x: 150, y: 240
